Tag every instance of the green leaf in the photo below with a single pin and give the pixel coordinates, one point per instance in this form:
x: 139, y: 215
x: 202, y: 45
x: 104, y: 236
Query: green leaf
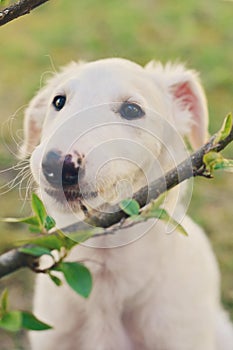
x: 210, y: 160
x: 35, y: 229
x: 35, y: 250
x: 55, y: 279
x: 83, y: 235
x: 11, y: 321
x: 55, y: 241
x: 29, y: 321
x: 130, y: 206
x: 154, y: 212
x: 224, y: 164
x: 39, y: 209
x: 4, y: 302
x: 32, y: 220
x: 175, y: 224
x: 151, y: 208
x: 215, y: 161
x: 50, y: 241
x: 225, y: 129
x: 14, y: 321
x: 49, y: 223
x: 77, y: 276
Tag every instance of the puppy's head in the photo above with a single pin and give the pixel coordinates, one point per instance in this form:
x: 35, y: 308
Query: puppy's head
x: 99, y: 131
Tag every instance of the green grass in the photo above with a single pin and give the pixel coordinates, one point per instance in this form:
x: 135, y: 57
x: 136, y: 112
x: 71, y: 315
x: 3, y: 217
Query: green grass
x: 196, y: 32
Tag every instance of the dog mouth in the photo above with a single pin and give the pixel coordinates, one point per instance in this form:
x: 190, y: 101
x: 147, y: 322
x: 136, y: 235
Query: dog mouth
x: 70, y: 195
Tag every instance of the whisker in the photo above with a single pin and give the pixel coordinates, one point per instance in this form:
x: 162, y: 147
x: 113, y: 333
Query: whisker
x: 29, y: 183
x: 9, y: 188
x: 24, y: 172
x: 18, y: 166
x: 48, y: 72
x: 54, y: 70
x: 20, y: 175
x: 8, y: 126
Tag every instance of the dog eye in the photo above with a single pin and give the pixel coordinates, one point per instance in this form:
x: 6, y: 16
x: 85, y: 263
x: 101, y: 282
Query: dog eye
x: 59, y: 102
x: 131, y: 111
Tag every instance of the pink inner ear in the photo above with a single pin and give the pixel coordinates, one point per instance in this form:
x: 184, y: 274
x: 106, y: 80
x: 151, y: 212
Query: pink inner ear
x: 191, y: 102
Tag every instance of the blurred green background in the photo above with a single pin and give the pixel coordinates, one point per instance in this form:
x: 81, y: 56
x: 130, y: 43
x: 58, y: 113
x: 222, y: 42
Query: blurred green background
x: 196, y: 32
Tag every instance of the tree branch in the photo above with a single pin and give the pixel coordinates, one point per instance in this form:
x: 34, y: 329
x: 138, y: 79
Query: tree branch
x: 18, y: 9
x: 191, y: 167
x: 14, y: 260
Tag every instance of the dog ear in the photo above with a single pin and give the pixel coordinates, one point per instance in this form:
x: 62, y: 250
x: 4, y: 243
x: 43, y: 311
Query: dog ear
x: 33, y: 121
x: 189, y: 105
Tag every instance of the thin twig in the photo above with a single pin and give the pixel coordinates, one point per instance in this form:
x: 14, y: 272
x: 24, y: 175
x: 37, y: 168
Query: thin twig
x: 18, y: 9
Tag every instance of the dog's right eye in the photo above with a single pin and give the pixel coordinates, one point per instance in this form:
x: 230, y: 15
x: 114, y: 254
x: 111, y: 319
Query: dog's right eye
x: 59, y: 102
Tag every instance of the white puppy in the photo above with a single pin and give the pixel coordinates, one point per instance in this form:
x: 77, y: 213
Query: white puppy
x: 97, y: 132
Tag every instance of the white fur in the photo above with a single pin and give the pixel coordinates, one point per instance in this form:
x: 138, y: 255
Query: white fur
x: 159, y: 292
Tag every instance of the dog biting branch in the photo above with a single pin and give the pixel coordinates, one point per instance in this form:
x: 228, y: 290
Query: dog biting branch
x: 191, y: 167
x: 18, y: 9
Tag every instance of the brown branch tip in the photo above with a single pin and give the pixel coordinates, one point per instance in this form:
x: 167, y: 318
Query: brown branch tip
x: 18, y: 9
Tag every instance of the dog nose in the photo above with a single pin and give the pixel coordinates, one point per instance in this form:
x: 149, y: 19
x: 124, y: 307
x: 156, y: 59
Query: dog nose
x: 60, y: 170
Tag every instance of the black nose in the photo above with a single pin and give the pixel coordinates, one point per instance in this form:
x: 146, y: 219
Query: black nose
x: 60, y: 171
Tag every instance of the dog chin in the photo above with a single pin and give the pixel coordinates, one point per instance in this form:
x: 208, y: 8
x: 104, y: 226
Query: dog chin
x: 69, y: 199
